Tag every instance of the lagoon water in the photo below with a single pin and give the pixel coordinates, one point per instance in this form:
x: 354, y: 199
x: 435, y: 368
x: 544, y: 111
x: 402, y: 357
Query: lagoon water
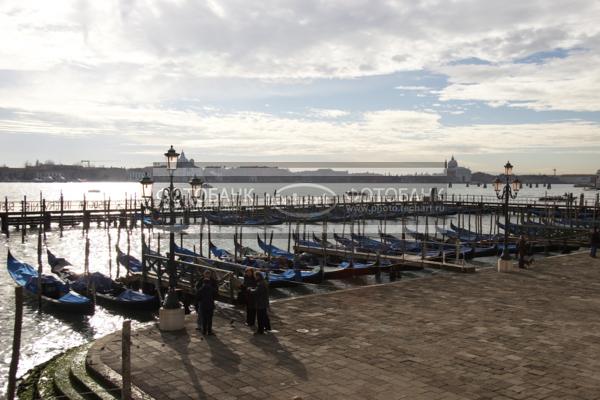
x: 45, y: 334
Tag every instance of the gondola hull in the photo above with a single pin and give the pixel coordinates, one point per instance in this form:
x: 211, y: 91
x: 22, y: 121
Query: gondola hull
x: 65, y: 300
x: 109, y: 294
x: 110, y: 301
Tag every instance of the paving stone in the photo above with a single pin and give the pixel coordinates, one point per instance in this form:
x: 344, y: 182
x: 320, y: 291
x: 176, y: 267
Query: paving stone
x: 532, y: 335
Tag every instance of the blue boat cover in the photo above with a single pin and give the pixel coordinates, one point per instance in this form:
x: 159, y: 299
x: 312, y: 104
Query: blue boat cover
x: 49, y: 282
x: 187, y: 252
x: 133, y: 296
x: 129, y: 262
x: 290, y: 275
x: 73, y: 297
x: 346, y: 264
x: 25, y: 275
x: 274, y: 251
x: 19, y: 271
x: 101, y: 282
x: 220, y: 253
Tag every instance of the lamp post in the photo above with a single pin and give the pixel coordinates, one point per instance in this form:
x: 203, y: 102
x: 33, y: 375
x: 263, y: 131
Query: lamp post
x: 171, y: 194
x: 171, y: 315
x: 508, y: 191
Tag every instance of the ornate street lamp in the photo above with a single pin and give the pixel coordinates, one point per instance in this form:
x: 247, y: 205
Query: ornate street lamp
x: 147, y: 183
x: 508, y: 191
x: 171, y: 194
x: 172, y: 157
x: 196, y: 184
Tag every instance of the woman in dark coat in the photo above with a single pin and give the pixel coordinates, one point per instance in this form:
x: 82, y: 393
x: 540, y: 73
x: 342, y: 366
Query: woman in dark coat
x: 249, y: 284
x: 206, y: 304
x: 261, y: 297
x: 522, y: 249
x: 594, y: 242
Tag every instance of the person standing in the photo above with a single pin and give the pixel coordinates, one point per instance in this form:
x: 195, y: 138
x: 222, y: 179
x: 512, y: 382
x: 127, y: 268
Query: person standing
x: 522, y: 251
x: 206, y: 304
x: 594, y: 242
x: 249, y: 285
x: 261, y: 297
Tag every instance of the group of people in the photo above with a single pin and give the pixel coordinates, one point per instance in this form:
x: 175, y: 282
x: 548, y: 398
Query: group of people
x: 254, y: 293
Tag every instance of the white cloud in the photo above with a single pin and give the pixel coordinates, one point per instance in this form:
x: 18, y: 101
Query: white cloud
x: 299, y: 39
x: 328, y: 113
x: 144, y: 69
x: 411, y: 88
x: 381, y: 135
x: 570, y: 83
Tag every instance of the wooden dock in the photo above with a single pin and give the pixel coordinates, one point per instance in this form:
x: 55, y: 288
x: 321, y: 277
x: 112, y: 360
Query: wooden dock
x: 29, y: 213
x: 406, y: 259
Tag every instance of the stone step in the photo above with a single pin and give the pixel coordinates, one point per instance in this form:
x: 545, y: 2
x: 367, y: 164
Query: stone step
x: 44, y: 387
x: 62, y: 378
x: 84, y: 381
x: 106, y: 376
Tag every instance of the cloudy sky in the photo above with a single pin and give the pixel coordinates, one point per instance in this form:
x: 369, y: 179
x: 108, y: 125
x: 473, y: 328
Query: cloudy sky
x: 117, y: 82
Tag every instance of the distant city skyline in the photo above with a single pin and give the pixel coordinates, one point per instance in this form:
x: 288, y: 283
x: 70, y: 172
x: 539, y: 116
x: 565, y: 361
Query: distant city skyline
x: 117, y: 83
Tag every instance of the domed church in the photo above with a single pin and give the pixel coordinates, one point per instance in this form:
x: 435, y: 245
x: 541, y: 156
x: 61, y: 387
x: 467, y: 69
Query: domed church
x: 456, y: 173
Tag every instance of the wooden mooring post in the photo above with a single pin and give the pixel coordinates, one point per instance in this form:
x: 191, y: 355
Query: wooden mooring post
x: 23, y: 215
x: 126, y: 360
x: 40, y: 270
x: 4, y: 223
x: 16, y: 345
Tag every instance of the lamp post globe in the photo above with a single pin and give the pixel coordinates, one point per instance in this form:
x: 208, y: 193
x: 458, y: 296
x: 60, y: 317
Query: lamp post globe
x: 196, y: 184
x: 508, y: 169
x: 146, y: 183
x: 171, y: 156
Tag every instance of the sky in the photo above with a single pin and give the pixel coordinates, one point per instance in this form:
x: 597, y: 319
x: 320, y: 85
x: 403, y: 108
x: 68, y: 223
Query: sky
x: 118, y: 82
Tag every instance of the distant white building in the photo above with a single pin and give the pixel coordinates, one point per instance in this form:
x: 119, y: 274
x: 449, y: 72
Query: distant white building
x: 456, y: 173
x: 251, y: 173
x: 186, y: 169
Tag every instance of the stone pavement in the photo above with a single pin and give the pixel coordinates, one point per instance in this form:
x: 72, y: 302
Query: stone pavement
x: 533, y: 334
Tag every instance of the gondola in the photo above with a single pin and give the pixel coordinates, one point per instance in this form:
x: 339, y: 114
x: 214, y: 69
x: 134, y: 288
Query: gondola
x: 305, y: 243
x: 220, y: 253
x: 348, y: 243
x: 348, y: 269
x: 273, y: 251
x: 55, y: 293
x: 186, y: 255
x: 245, y: 251
x: 291, y: 276
x: 108, y: 292
x: 372, y: 244
x: 322, y: 242
x: 466, y: 235
x: 132, y: 264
